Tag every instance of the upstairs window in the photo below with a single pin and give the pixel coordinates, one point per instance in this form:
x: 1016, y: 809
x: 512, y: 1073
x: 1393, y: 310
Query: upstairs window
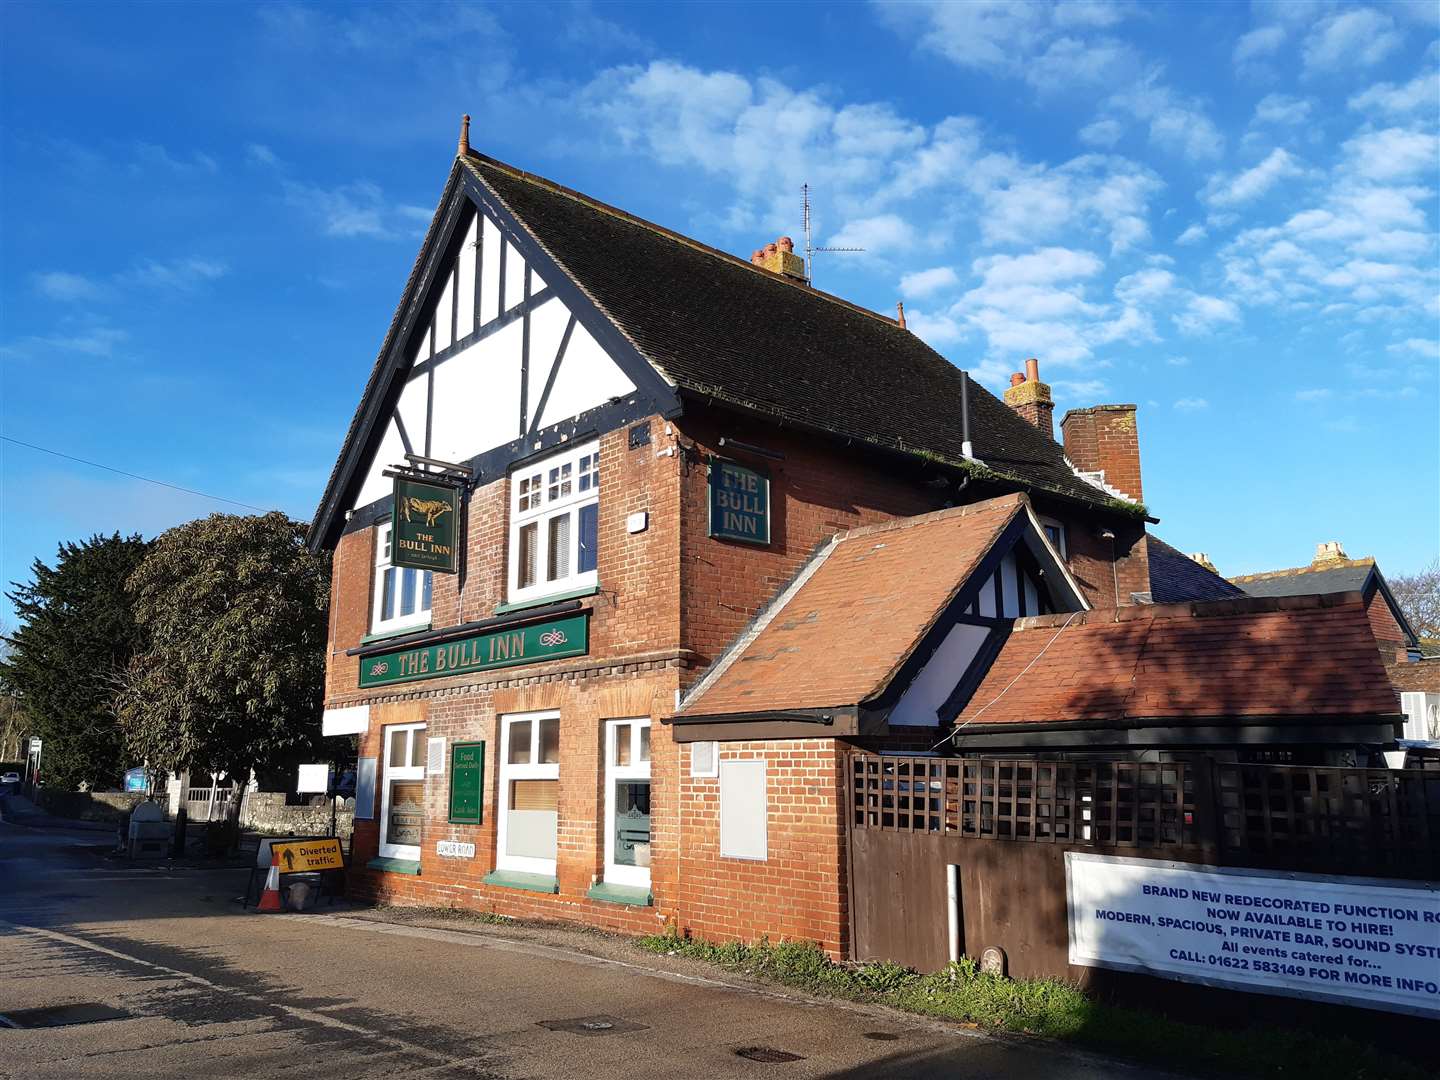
x: 1055, y: 533
x: 554, y: 523
x: 402, y: 595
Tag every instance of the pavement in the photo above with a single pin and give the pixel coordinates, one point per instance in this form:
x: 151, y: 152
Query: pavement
x: 175, y: 979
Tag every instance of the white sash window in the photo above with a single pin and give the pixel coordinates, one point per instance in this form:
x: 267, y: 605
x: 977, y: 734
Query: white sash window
x: 529, y: 824
x: 402, y: 803
x: 554, y: 524
x: 402, y: 595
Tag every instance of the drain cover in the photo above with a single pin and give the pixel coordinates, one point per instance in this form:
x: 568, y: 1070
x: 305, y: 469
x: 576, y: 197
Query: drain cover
x: 881, y: 1036
x: 86, y: 1012
x: 592, y: 1025
x: 767, y: 1054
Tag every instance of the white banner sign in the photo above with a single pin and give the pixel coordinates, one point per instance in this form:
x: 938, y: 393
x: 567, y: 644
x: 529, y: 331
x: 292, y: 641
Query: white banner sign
x: 1359, y: 941
x: 454, y: 849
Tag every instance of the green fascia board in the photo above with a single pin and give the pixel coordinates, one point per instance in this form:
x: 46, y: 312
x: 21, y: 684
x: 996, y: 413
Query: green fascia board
x: 632, y: 895
x: 553, y: 598
x: 395, y: 866
x: 513, y: 879
x: 386, y: 635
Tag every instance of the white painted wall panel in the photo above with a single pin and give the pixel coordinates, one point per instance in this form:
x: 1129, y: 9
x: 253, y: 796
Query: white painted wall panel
x: 547, y: 327
x: 490, y: 274
x: 938, y: 678
x: 444, y: 312
x: 587, y: 378
x: 1032, y: 598
x: 376, y: 485
x: 987, y: 598
x: 514, y: 276
x: 465, y: 292
x: 536, y: 281
x: 1010, y: 583
x: 477, y: 397
x: 412, y: 409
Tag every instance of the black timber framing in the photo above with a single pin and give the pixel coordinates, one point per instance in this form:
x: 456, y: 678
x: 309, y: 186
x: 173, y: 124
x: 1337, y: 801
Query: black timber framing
x: 465, y: 195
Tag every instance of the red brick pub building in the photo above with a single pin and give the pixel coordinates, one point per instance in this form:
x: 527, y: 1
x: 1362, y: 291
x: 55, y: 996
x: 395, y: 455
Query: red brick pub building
x: 714, y: 530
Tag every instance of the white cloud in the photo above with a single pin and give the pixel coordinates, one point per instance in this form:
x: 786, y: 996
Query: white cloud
x: 1178, y: 361
x: 1357, y: 37
x: 99, y: 341
x: 885, y: 235
x: 260, y: 154
x: 1144, y: 286
x: 1104, y: 132
x: 61, y: 285
x: 1257, y: 43
x: 936, y: 330
x: 151, y: 156
x: 350, y: 210
x: 1192, y: 235
x: 1204, y: 314
x: 1393, y: 154
x: 1423, y: 91
x: 1191, y: 404
x: 1318, y: 393
x: 176, y: 275
x: 926, y: 282
x: 1177, y: 124
x: 1251, y: 184
x: 1425, y: 348
x: 1282, y: 110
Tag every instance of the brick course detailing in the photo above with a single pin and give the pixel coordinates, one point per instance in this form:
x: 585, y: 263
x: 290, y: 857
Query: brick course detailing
x: 1105, y: 439
x: 1031, y: 398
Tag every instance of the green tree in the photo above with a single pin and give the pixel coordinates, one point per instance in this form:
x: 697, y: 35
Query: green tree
x: 77, y: 635
x: 231, y: 673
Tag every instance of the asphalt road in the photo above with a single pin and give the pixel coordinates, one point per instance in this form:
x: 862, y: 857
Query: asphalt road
x: 203, y: 989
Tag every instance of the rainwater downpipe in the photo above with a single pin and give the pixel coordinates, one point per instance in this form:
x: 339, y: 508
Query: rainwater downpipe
x: 965, y: 448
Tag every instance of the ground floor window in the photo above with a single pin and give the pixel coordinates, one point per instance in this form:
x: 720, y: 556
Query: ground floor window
x: 627, y: 802
x: 402, y: 803
x: 529, y: 820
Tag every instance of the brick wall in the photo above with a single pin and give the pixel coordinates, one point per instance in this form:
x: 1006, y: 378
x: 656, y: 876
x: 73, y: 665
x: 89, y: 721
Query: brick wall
x: 1105, y: 438
x: 799, y: 891
x: 814, y: 493
x: 1388, y: 634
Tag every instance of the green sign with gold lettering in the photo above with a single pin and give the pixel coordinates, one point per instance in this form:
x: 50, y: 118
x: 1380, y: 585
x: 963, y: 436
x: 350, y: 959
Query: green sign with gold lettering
x: 533, y: 644
x: 739, y: 503
x: 424, y: 526
x: 467, y: 782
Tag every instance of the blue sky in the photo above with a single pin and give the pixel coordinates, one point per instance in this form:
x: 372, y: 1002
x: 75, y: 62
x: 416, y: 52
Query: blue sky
x: 1224, y: 213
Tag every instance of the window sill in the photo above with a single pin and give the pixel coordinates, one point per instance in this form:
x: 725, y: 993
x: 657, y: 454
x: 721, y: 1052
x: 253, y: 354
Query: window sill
x: 630, y: 895
x: 514, y: 879
x: 385, y: 635
x: 395, y: 866
x: 552, y: 598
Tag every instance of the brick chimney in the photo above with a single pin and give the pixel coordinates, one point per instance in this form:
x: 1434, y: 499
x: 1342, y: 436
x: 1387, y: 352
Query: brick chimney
x: 1030, y: 397
x: 1103, y: 439
x: 1329, y: 552
x: 1204, y: 560
x: 780, y: 258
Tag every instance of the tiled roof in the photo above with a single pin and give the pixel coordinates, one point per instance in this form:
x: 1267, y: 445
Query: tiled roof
x: 1234, y: 659
x: 854, y: 614
x: 1175, y: 578
x: 1423, y: 675
x: 1350, y: 576
x: 723, y: 329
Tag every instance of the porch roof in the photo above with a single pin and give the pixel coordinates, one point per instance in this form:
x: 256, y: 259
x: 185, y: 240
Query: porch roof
x: 1249, y: 659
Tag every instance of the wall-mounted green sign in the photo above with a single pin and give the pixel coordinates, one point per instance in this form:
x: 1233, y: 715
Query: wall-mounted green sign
x: 467, y: 782
x: 480, y: 652
x: 425, y: 526
x: 739, y: 503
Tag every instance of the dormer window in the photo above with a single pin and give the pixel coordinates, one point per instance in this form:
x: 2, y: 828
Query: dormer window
x: 554, y: 524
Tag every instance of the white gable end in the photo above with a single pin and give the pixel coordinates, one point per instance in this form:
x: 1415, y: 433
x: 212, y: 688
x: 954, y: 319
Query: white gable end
x: 500, y: 357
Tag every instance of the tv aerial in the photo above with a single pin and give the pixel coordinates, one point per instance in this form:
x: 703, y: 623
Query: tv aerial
x: 810, y: 249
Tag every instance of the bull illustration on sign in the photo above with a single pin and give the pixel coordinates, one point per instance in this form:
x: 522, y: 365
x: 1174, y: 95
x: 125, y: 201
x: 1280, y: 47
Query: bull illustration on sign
x: 430, y: 509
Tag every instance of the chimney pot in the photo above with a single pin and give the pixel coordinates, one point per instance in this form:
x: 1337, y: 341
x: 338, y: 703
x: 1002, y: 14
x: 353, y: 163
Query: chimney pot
x: 900, y: 313
x: 779, y: 258
x: 785, y: 243
x: 1030, y: 397
x: 464, y: 147
x: 1017, y: 379
x: 1032, y: 370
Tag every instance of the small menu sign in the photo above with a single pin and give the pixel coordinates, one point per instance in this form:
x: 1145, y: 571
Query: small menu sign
x: 467, y: 782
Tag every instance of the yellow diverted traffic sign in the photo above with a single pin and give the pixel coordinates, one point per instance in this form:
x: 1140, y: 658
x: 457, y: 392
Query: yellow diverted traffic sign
x: 308, y: 856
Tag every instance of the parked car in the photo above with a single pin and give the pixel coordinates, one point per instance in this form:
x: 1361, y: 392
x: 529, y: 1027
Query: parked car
x: 9, y: 780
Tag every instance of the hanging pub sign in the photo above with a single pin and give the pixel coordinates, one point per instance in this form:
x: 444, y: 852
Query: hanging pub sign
x: 553, y: 639
x: 739, y: 503
x: 424, y: 527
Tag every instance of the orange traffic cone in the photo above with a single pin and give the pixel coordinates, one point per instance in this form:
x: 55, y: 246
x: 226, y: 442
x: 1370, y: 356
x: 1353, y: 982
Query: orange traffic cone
x: 270, y: 896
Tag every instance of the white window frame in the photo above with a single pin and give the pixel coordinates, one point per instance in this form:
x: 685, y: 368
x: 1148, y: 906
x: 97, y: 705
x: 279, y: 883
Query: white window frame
x: 1058, y: 526
x: 414, y: 771
x: 525, y: 512
x: 616, y: 873
x: 418, y: 618
x: 522, y: 863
